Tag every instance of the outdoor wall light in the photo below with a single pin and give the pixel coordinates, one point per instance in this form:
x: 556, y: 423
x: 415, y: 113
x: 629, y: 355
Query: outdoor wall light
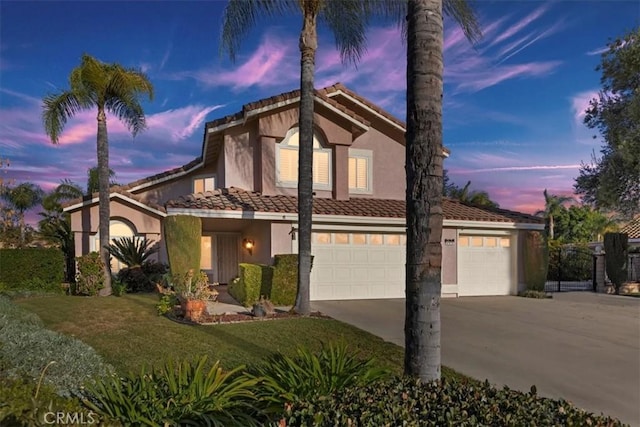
x: 449, y: 242
x: 248, y: 244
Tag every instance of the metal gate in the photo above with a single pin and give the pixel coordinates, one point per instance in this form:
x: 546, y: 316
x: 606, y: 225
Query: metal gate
x: 571, y: 268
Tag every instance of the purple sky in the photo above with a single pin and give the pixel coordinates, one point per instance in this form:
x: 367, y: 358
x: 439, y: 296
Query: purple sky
x: 513, y: 104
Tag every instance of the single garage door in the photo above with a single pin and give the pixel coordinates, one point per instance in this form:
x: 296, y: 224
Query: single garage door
x: 355, y: 265
x: 485, y: 265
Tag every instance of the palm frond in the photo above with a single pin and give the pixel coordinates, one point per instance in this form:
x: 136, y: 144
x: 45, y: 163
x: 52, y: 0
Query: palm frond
x: 122, y: 96
x: 57, y: 109
x: 240, y: 16
x: 348, y: 21
x: 462, y: 12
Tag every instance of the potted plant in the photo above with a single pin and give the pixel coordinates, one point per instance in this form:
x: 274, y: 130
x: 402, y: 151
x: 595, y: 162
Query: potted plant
x: 193, y: 292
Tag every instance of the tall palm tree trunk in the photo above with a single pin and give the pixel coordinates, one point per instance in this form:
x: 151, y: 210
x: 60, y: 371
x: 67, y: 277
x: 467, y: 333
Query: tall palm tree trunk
x: 551, y: 226
x: 103, y: 191
x: 308, y: 46
x: 424, y: 188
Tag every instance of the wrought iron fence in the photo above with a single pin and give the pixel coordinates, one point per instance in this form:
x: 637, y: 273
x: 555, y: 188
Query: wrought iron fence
x: 571, y: 268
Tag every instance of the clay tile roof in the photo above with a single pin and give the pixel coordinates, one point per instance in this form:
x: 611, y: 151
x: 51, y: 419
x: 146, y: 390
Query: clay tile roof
x: 236, y: 199
x: 161, y: 175
x: 286, y: 96
x: 632, y: 229
x: 339, y: 86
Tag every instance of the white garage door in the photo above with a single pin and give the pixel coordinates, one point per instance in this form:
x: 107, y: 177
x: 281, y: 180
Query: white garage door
x: 485, y: 265
x: 357, y: 265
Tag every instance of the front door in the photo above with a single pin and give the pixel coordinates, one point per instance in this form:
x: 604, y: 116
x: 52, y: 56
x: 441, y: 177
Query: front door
x: 227, y: 247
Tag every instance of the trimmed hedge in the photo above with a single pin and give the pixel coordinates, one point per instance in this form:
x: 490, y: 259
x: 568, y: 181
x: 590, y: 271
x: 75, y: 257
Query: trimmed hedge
x: 36, y: 269
x: 285, y: 279
x: 182, y: 239
x: 408, y: 402
x: 279, y: 283
x: 616, y: 247
x: 253, y: 279
x: 27, y: 348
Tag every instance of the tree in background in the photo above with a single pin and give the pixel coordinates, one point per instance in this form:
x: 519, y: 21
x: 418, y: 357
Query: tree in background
x: 348, y: 21
x: 613, y: 180
x: 55, y: 225
x: 104, y: 87
x: 581, y: 224
x: 471, y: 197
x: 21, y: 198
x: 425, y: 178
x: 93, y: 182
x: 553, y: 204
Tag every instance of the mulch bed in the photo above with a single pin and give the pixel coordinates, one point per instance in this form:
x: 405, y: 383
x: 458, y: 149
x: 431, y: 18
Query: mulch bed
x: 218, y: 319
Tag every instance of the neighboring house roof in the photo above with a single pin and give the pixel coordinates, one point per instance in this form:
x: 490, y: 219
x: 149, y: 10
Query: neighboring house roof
x: 632, y: 229
x: 236, y: 199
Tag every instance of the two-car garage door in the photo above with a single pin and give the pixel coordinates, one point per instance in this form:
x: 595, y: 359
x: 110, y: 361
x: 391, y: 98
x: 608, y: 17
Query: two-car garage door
x: 354, y: 265
x: 357, y: 265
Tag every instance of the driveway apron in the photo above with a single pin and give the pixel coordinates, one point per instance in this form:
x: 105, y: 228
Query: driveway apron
x: 580, y: 346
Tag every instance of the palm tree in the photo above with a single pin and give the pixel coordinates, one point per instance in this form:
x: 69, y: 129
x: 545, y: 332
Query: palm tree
x: 105, y: 87
x: 93, y: 182
x: 425, y: 178
x: 22, y: 198
x: 472, y: 197
x: 552, y: 206
x: 348, y: 21
x: 55, y: 225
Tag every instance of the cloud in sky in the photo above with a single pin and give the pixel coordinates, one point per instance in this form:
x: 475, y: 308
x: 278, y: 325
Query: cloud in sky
x: 271, y: 64
x: 160, y: 147
x: 579, y: 104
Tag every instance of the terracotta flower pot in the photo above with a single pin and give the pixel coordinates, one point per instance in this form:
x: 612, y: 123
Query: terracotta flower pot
x: 193, y: 309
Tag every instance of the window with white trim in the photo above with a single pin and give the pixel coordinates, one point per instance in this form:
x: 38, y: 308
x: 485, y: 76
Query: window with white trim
x: 200, y: 185
x: 360, y: 164
x: 287, y: 162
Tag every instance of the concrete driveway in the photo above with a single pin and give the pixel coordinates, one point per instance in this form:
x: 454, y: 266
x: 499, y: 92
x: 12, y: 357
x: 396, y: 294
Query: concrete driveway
x: 580, y: 346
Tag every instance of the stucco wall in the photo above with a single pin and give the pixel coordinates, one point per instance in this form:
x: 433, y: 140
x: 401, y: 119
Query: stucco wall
x: 84, y: 223
x: 449, y: 257
x: 388, y: 164
x: 260, y: 233
x: 181, y: 186
x: 238, y: 154
x: 281, y: 242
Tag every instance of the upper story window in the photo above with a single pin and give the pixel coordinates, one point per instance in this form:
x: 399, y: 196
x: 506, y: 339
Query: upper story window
x: 200, y: 185
x: 360, y: 171
x: 287, y: 162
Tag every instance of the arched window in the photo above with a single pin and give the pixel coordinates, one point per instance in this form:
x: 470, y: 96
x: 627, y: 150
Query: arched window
x: 287, y: 161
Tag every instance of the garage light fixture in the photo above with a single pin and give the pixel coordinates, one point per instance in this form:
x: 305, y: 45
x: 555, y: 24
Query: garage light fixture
x: 248, y: 244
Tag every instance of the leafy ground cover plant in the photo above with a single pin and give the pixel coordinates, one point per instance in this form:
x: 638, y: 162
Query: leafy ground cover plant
x: 185, y: 393
x: 407, y: 402
x: 308, y: 375
x: 25, y: 403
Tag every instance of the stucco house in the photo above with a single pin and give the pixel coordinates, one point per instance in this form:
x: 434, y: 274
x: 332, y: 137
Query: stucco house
x: 243, y: 186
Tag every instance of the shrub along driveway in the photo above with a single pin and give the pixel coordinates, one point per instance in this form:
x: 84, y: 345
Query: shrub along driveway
x: 582, y: 347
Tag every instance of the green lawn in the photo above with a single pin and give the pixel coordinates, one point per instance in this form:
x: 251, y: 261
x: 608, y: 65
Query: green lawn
x: 128, y: 333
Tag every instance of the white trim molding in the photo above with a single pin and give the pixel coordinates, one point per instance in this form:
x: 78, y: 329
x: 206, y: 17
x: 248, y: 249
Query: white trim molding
x: 95, y: 200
